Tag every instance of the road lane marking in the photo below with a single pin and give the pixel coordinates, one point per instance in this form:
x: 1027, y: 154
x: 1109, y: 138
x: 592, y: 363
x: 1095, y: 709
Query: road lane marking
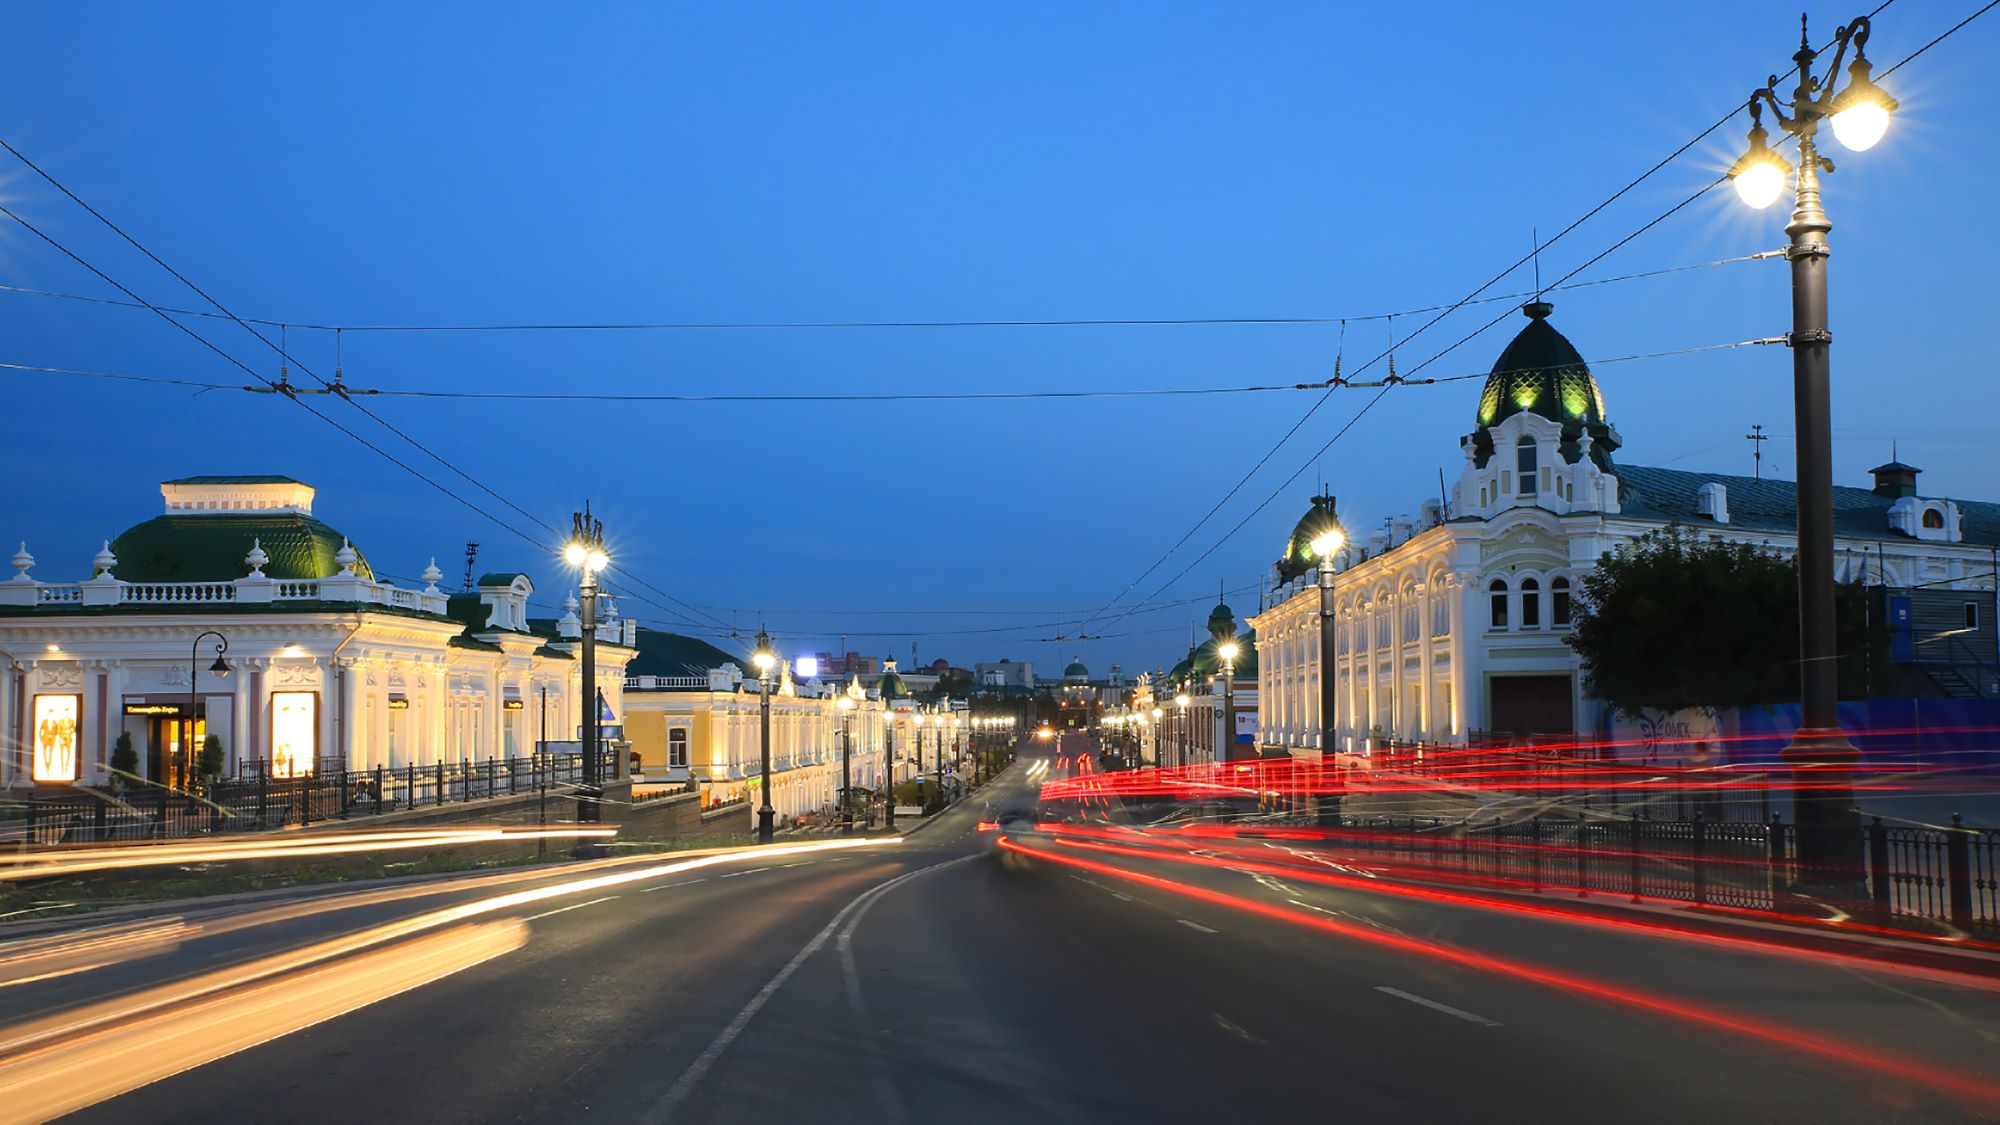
x: 1433, y: 1005
x: 734, y: 874
x: 685, y: 1084
x: 567, y: 909
x: 670, y: 886
x: 1196, y: 926
x: 801, y: 863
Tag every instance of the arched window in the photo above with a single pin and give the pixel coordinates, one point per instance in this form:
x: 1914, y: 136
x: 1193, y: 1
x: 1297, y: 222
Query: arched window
x: 1498, y: 590
x: 1440, y: 609
x: 1531, y: 604
x: 1524, y: 465
x: 1559, y: 606
x: 1934, y: 519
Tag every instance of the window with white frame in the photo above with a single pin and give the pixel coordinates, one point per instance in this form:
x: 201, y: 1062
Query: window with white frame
x: 1497, y: 590
x: 1531, y: 604
x: 1524, y: 465
x: 677, y: 748
x: 1559, y: 604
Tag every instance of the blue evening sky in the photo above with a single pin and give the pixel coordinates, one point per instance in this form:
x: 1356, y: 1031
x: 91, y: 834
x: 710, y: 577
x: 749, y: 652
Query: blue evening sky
x: 364, y: 163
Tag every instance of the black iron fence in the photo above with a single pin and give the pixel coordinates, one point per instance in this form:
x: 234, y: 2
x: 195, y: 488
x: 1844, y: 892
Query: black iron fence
x: 261, y: 803
x: 1911, y: 876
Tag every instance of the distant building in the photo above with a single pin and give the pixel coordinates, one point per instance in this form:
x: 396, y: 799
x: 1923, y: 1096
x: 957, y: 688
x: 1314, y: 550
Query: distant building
x: 841, y: 667
x: 1004, y: 674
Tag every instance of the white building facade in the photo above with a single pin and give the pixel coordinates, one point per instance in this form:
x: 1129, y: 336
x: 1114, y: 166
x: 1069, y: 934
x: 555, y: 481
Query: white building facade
x: 1451, y: 626
x: 238, y: 614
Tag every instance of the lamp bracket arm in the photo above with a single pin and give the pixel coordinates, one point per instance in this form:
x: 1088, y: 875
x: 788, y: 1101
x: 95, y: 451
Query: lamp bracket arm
x: 1789, y: 124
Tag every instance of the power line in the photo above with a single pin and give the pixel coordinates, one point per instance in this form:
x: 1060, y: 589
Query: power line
x: 781, y: 325
x: 1337, y: 383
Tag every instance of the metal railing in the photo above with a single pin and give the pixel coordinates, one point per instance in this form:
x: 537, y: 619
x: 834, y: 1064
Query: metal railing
x: 1911, y: 875
x: 266, y: 803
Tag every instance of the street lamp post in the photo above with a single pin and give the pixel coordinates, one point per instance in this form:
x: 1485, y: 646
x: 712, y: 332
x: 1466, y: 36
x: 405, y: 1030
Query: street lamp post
x: 1326, y: 545
x: 221, y: 670
x: 585, y: 552
x: 1226, y: 744
x: 889, y: 765
x: 1819, y: 753
x: 1181, y: 701
x: 846, y: 705
x: 765, y: 660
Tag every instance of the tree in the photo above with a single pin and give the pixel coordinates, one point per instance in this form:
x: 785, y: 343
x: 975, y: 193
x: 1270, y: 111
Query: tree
x: 124, y: 759
x: 1680, y: 620
x: 209, y: 764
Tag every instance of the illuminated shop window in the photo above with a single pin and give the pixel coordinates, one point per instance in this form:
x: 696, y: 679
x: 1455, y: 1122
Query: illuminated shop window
x: 294, y: 732
x: 58, y: 736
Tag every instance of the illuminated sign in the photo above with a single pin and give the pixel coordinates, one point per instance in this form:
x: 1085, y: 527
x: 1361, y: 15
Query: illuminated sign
x: 806, y: 666
x: 398, y: 703
x: 58, y: 735
x: 294, y: 732
x: 174, y: 709
x: 512, y: 705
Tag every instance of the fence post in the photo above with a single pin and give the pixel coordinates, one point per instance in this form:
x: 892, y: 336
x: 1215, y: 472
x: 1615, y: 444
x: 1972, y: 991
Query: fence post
x: 263, y: 799
x: 98, y: 826
x: 1878, y: 870
x: 34, y: 815
x: 1535, y: 852
x: 160, y: 812
x: 305, y: 782
x: 1958, y: 872
x: 1632, y: 862
x: 440, y: 786
x: 1582, y: 880
x: 1774, y: 860
x: 1700, y: 859
x: 378, y: 790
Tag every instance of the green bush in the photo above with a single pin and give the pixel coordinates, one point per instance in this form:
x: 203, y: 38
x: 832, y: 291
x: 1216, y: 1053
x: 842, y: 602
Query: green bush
x: 124, y: 759
x: 912, y: 793
x: 209, y: 764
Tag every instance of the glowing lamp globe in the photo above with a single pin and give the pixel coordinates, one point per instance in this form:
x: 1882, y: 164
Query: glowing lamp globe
x: 1861, y: 124
x: 1760, y: 184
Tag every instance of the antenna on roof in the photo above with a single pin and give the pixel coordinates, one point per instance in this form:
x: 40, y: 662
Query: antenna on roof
x: 471, y: 557
x: 1756, y: 438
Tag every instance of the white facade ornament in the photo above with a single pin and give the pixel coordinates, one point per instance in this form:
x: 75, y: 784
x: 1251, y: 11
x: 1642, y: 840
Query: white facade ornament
x: 22, y: 562
x: 347, y: 556
x: 256, y: 559
x: 101, y: 565
x: 571, y: 625
x: 431, y: 575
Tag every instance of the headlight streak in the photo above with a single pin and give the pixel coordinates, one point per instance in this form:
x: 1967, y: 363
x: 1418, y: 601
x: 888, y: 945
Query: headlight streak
x: 1977, y: 1092
x: 340, y: 974
x: 63, y: 863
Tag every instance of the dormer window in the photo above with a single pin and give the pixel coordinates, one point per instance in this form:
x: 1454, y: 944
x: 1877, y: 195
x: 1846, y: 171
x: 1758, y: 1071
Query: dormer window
x: 1933, y: 519
x: 1524, y: 465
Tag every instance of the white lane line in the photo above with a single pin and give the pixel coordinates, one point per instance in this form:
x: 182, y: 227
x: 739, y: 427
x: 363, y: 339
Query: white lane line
x: 800, y: 863
x: 567, y: 909
x: 685, y: 1084
x: 1433, y: 1005
x: 734, y: 874
x: 670, y: 886
x: 1195, y: 926
x: 1121, y: 897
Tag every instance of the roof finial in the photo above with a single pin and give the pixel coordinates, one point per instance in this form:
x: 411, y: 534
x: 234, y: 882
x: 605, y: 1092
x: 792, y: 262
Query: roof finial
x: 1535, y: 237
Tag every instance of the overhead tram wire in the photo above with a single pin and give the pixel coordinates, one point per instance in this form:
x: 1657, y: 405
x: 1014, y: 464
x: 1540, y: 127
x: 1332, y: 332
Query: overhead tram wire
x: 1531, y: 255
x: 286, y: 356
x: 667, y: 326
x: 1614, y: 247
x: 969, y: 396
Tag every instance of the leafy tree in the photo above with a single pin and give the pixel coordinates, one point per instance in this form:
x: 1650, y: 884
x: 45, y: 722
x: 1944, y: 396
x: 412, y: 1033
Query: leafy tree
x: 209, y: 764
x: 124, y: 759
x: 1681, y: 620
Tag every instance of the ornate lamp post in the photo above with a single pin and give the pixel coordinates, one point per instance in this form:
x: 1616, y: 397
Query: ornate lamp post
x: 585, y: 552
x: 1228, y: 651
x: 765, y: 660
x: 1181, y: 701
x: 889, y: 764
x: 846, y: 705
x: 1325, y: 546
x: 1159, y: 728
x: 220, y: 669
x: 1819, y: 754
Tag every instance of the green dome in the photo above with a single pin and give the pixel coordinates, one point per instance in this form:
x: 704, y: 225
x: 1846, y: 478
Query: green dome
x: 1541, y: 373
x: 1076, y: 671
x: 1221, y: 621
x: 891, y: 685
x: 210, y: 548
x: 1299, y: 557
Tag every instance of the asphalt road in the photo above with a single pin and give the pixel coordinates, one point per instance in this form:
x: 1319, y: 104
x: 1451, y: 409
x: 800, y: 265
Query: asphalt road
x: 940, y: 979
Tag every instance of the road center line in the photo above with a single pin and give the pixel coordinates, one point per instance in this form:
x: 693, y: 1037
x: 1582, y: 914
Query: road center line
x: 567, y: 909
x: 734, y: 874
x: 670, y: 886
x: 1433, y: 1005
x: 1196, y: 926
x: 684, y: 1085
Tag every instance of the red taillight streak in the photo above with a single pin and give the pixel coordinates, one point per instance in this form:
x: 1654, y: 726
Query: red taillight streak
x: 1980, y: 1092
x: 1546, y: 910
